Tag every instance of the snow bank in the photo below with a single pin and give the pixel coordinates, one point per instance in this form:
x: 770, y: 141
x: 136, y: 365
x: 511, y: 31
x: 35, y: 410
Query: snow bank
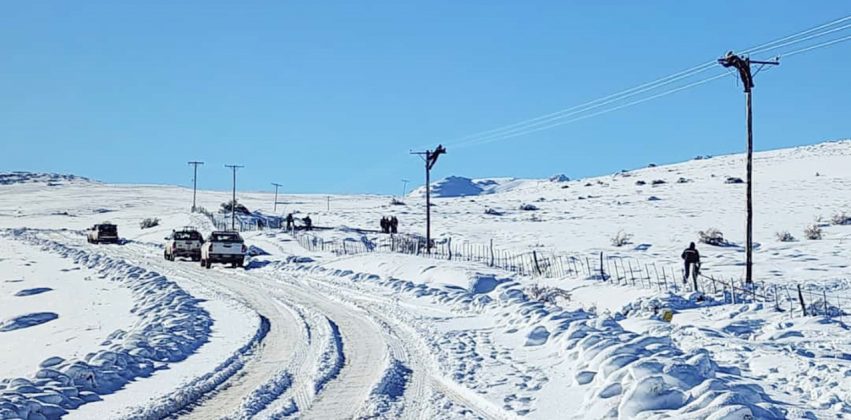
x: 385, y: 399
x: 172, y: 325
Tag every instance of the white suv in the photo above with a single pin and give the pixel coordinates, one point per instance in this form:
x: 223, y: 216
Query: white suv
x: 223, y: 247
x: 104, y: 232
x: 185, y: 242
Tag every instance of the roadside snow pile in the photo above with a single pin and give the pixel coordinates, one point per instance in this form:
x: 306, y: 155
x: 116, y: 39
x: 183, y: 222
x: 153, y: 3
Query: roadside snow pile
x: 633, y: 375
x: 385, y: 399
x: 27, y: 320
x: 49, y: 179
x: 171, y: 326
x: 332, y: 359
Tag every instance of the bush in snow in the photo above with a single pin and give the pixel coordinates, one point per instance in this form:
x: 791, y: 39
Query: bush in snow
x: 640, y: 182
x: 149, y: 222
x: 546, y: 294
x: 683, y: 180
x: 733, y: 180
x: 227, y: 207
x: 395, y: 202
x: 813, y: 232
x: 657, y: 182
x: 711, y: 236
x: 493, y: 212
x: 621, y: 238
x: 840, y: 218
x: 528, y: 207
x: 785, y: 236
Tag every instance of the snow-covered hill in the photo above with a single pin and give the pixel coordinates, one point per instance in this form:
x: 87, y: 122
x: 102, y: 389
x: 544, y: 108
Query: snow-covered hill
x: 114, y: 331
x: 49, y: 179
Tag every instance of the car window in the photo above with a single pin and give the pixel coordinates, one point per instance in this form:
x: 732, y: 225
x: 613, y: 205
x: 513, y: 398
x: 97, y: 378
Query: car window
x: 187, y: 236
x: 225, y: 237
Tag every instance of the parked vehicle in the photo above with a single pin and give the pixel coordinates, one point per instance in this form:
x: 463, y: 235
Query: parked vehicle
x: 185, y: 242
x: 223, y: 247
x: 102, y: 233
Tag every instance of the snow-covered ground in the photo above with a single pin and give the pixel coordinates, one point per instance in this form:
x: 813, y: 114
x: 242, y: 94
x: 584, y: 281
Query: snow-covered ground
x: 116, y: 331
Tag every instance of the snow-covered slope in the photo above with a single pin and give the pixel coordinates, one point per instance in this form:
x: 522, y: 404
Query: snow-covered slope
x: 113, y: 331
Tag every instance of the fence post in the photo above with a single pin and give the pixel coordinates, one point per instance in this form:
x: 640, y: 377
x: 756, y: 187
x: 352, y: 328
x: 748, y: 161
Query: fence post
x: 449, y: 247
x: 801, y: 298
x: 602, y: 271
x: 824, y: 293
x: 535, y: 258
x: 491, y: 249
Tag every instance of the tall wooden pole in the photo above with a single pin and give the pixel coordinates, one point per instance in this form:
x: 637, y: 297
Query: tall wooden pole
x: 749, y: 239
x: 743, y: 65
x: 233, y: 201
x: 195, y: 182
x: 428, y: 203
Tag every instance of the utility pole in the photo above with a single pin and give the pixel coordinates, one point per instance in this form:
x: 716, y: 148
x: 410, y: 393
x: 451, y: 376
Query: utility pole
x: 233, y: 202
x: 275, y: 210
x: 743, y: 65
x: 430, y: 158
x: 404, y: 187
x: 195, y: 182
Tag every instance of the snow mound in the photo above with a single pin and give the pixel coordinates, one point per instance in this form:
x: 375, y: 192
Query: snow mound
x: 172, y: 325
x: 49, y: 179
x: 385, y: 399
x: 26, y: 321
x: 33, y: 291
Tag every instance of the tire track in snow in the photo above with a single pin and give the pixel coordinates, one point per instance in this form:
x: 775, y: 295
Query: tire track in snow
x: 274, y: 351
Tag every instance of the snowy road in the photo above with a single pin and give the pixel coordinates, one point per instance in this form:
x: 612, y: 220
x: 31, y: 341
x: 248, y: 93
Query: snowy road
x: 367, y: 340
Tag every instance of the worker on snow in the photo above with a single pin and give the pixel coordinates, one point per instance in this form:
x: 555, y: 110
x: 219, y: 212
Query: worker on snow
x: 290, y: 222
x: 308, y: 224
x: 394, y: 224
x: 691, y: 258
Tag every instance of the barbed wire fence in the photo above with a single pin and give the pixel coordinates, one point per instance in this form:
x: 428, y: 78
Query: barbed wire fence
x: 803, y: 299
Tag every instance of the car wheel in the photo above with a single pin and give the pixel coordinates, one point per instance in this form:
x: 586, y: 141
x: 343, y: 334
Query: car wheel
x: 233, y: 264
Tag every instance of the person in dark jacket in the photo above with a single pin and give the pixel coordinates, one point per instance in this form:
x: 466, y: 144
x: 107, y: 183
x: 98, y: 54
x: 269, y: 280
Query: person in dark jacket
x: 290, y: 221
x: 308, y: 224
x: 384, y: 228
x: 394, y: 224
x: 691, y: 258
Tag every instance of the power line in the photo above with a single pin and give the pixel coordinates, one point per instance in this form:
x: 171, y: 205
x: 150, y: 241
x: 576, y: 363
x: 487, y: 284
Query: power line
x: 547, y: 120
x: 605, y: 111
x: 815, y: 47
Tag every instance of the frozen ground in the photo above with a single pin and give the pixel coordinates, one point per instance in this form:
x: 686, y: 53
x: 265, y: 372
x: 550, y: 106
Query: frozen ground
x: 116, y: 331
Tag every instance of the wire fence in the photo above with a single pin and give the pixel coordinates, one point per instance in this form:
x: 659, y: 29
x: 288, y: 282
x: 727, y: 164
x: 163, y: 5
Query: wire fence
x: 806, y: 299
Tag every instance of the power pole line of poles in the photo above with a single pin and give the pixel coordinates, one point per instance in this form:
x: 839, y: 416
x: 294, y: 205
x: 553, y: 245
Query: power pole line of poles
x: 233, y: 202
x: 743, y: 65
x: 430, y: 158
x: 195, y: 181
x: 275, y: 210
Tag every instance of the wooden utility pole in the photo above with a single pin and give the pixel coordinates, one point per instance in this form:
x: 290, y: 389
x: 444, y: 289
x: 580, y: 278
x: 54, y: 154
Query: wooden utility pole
x: 404, y: 187
x: 430, y: 158
x: 233, y: 202
x: 743, y: 65
x: 195, y: 182
x: 275, y: 206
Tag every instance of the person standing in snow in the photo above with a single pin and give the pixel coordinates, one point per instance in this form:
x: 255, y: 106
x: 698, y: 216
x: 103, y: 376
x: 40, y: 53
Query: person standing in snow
x: 394, y: 224
x: 691, y: 258
x: 308, y: 224
x: 383, y: 224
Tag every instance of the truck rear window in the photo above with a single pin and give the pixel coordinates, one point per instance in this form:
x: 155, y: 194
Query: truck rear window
x: 187, y: 236
x: 107, y: 229
x: 225, y: 237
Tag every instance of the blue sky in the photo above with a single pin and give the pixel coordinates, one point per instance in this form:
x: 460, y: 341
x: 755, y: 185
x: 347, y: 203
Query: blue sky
x: 330, y: 96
